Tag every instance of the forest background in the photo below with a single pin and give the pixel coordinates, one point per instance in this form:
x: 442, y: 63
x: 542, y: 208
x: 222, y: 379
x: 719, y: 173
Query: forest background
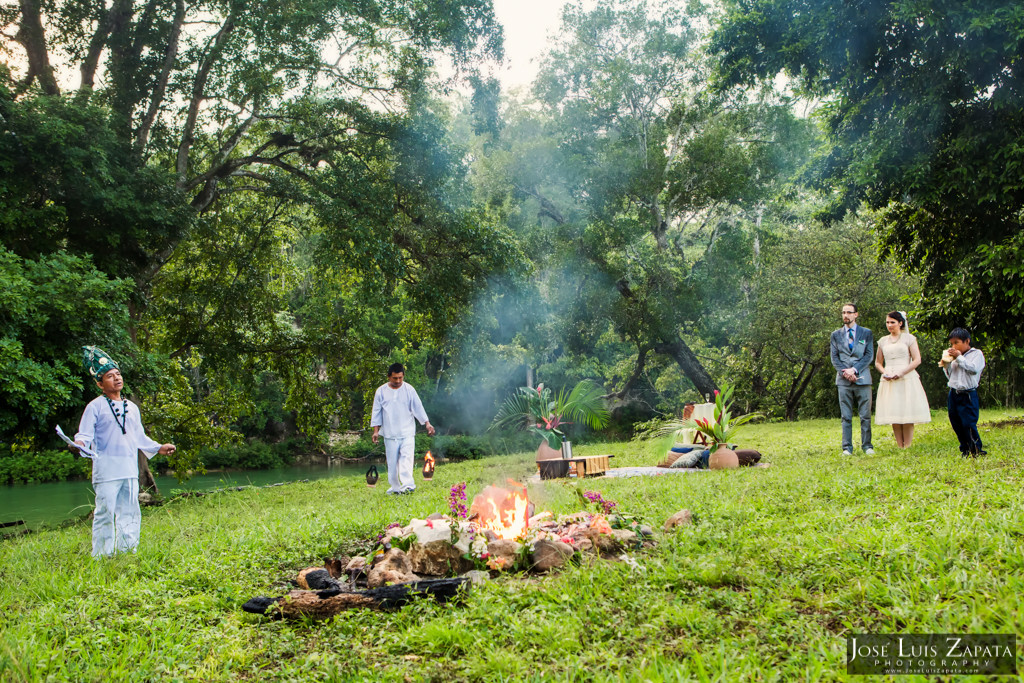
x: 256, y: 207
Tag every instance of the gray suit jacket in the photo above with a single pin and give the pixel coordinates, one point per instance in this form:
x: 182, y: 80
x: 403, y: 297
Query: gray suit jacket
x: 859, y: 359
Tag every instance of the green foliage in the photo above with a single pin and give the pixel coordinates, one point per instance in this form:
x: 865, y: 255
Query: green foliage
x: 542, y: 412
x: 224, y: 165
x: 363, y: 448
x: 50, y: 306
x: 461, y: 447
x: 923, y: 111
x: 20, y: 464
x: 628, y: 173
x: 69, y: 183
x: 253, y: 455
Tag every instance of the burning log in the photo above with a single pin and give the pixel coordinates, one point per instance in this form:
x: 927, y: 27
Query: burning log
x: 327, y: 603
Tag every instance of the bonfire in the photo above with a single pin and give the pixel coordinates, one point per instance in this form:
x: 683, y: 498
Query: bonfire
x: 445, y: 552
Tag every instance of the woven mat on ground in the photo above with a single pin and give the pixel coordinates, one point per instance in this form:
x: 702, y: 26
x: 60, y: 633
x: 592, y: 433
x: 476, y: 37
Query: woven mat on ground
x: 633, y: 472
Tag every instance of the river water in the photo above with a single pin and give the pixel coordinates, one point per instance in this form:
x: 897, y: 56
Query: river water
x: 56, y: 502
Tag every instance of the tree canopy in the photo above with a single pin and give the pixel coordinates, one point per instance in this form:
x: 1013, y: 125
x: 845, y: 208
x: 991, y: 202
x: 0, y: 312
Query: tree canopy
x: 257, y: 206
x: 924, y: 106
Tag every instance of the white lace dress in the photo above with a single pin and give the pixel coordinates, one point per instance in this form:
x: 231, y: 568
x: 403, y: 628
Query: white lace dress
x: 900, y: 401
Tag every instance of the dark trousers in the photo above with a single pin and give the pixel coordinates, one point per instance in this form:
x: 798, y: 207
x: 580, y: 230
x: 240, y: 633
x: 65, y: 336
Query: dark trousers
x: 855, y: 398
x: 963, y: 417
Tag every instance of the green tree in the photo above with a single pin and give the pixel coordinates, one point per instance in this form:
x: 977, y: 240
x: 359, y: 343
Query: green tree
x: 805, y: 275
x: 49, y: 308
x: 924, y: 108
x: 632, y: 175
x: 254, y: 127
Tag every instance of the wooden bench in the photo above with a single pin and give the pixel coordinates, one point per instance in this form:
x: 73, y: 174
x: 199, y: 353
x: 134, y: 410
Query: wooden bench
x: 586, y: 466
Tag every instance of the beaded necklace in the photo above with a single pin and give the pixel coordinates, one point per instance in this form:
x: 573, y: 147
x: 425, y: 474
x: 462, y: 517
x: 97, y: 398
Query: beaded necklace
x: 120, y: 418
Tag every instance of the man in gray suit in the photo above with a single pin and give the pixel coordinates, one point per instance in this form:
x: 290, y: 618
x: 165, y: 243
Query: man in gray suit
x: 853, y: 351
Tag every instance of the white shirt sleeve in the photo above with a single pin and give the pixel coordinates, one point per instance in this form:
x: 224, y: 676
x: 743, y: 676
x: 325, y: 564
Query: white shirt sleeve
x: 142, y: 440
x: 377, y: 415
x: 416, y: 406
x: 87, y: 426
x: 971, y: 363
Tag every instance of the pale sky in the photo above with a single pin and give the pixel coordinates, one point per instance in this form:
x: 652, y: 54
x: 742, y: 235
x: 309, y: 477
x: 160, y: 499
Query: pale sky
x: 527, y: 25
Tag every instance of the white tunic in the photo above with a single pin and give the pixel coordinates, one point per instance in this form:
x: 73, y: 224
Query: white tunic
x: 395, y: 411
x: 116, y: 456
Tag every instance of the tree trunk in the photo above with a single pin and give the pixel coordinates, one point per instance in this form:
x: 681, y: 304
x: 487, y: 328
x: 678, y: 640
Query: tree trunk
x: 799, y: 387
x: 677, y: 349
x: 146, y: 480
x: 33, y: 39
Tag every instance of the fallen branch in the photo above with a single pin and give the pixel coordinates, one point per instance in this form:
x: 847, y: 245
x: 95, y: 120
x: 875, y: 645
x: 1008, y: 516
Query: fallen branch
x: 327, y: 603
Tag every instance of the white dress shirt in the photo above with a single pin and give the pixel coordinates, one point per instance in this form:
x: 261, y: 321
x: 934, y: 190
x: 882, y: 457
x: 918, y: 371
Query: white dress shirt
x: 964, y: 372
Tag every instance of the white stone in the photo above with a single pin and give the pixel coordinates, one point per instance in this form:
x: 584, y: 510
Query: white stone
x: 428, y: 531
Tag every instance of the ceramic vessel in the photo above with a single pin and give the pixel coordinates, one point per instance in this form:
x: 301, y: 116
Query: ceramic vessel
x: 546, y: 452
x: 723, y: 459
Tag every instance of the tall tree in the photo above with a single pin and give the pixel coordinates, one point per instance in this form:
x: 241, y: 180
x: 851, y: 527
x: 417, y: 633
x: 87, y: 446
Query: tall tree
x: 638, y: 172
x: 924, y: 106
x: 254, y: 123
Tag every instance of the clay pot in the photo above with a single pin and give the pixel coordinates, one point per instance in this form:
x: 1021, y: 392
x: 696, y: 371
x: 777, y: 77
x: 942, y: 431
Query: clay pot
x: 723, y: 459
x: 546, y: 452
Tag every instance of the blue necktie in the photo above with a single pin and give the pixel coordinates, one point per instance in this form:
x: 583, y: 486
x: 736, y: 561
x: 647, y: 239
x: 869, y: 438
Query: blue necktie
x: 849, y: 331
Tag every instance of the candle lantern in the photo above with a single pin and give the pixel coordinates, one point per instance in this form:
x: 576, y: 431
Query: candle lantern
x: 372, y: 476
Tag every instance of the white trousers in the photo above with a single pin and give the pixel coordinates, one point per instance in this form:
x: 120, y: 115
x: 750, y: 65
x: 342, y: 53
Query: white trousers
x: 399, y: 453
x: 117, y: 521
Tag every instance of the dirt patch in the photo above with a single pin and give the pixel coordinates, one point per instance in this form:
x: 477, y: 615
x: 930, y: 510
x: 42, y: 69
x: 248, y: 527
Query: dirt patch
x: 1002, y: 424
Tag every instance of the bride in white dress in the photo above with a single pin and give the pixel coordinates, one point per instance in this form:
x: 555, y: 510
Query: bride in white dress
x: 901, y: 402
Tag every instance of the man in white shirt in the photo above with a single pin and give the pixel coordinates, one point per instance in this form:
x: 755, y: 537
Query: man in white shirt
x: 111, y: 427
x: 396, y: 408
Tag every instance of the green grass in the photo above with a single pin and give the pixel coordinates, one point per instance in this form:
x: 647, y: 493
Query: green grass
x: 781, y: 564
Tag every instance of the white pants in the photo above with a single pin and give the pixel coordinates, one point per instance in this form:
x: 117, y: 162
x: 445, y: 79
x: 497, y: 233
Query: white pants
x: 117, y: 520
x: 399, y: 453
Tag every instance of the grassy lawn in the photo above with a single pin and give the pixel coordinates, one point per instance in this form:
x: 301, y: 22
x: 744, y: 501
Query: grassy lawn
x: 780, y: 565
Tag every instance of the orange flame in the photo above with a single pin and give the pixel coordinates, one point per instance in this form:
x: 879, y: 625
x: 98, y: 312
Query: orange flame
x: 428, y: 466
x: 504, y: 512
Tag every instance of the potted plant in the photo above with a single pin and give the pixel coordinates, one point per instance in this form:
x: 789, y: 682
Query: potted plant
x: 719, y: 433
x: 544, y: 412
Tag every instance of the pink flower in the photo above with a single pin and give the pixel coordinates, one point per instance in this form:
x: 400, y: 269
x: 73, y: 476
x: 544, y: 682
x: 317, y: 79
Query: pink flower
x: 717, y: 392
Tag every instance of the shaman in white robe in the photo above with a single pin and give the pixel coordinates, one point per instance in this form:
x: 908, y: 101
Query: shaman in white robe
x: 396, y: 411
x: 117, y: 519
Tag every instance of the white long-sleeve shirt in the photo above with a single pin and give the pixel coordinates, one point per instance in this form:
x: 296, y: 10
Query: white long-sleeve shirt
x: 964, y: 372
x: 116, y: 453
x: 396, y: 411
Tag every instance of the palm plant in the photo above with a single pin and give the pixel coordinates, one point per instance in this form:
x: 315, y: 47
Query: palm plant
x: 720, y: 432
x: 543, y: 412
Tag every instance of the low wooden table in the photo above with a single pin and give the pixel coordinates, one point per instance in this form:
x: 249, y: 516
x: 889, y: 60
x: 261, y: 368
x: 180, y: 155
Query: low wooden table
x: 586, y: 466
